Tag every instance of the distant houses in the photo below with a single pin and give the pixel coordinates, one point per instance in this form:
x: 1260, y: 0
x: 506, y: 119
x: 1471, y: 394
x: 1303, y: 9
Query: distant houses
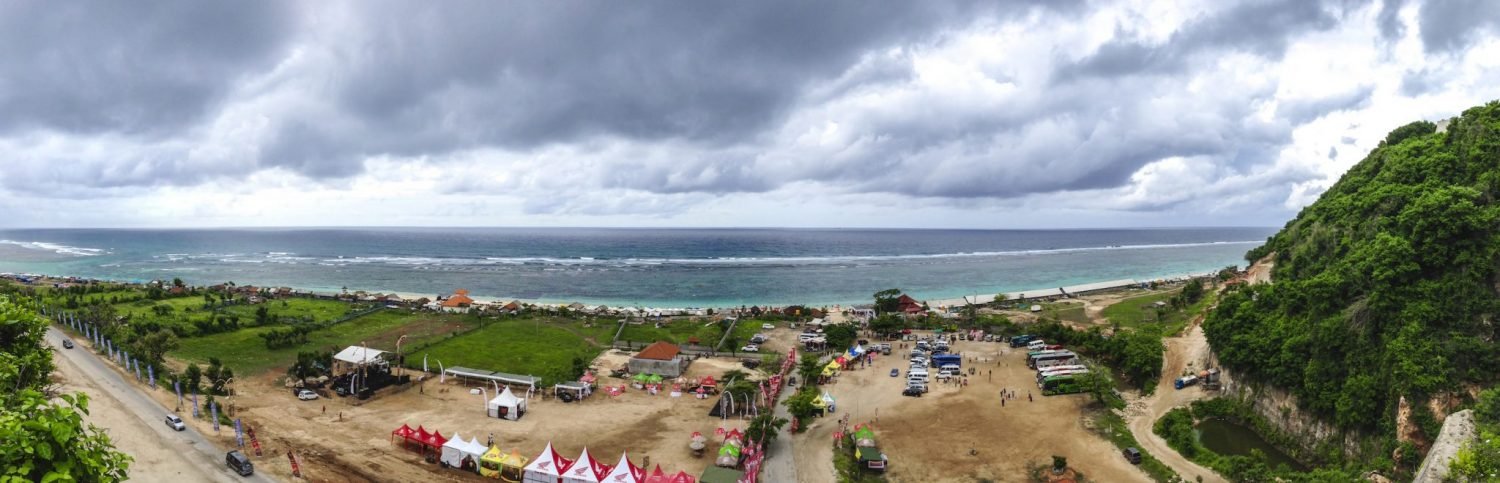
x: 459, y: 302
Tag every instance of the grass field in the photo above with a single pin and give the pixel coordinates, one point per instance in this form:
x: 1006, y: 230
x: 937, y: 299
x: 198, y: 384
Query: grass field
x: 246, y: 352
x: 1138, y: 312
x: 543, y: 348
x: 185, y: 310
x: 707, y: 333
x: 1066, y: 312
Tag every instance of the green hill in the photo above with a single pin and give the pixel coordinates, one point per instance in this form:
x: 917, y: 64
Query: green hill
x: 1386, y: 286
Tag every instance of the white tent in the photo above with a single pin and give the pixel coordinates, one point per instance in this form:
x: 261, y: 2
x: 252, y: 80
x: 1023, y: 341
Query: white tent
x: 507, y: 406
x: 359, y: 355
x: 624, y: 472
x: 456, y: 449
x: 547, y: 467
x: 585, y: 470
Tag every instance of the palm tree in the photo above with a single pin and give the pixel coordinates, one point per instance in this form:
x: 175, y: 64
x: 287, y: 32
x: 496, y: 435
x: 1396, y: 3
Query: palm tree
x: 765, y: 428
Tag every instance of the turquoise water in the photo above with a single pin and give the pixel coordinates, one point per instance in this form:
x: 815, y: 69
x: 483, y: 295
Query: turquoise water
x: 638, y: 267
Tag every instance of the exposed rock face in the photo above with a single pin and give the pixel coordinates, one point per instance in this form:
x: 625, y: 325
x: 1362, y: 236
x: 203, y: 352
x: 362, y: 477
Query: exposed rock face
x: 1458, y: 429
x: 1278, y: 407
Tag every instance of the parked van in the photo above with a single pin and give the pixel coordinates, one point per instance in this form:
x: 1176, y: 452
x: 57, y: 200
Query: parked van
x: 918, y: 374
x: 238, y: 462
x: 1036, y: 345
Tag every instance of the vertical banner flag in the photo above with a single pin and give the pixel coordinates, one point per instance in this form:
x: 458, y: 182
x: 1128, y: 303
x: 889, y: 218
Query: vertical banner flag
x: 151, y: 375
x: 424, y: 363
x: 195, y: 404
x: 239, y: 434
x: 137, y: 371
x: 442, y: 373
x: 213, y: 408
x: 177, y: 387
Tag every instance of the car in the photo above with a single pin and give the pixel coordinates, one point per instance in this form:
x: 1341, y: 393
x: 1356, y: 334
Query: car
x: 306, y: 395
x: 240, y: 463
x: 67, y: 344
x: 905, y: 331
x: 175, y: 422
x: 750, y: 348
x: 895, y: 373
x: 757, y: 338
x: 1132, y: 455
x: 912, y: 391
x: 767, y: 326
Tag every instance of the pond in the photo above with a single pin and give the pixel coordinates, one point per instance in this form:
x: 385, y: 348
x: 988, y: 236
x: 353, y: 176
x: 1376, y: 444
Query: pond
x: 1227, y: 438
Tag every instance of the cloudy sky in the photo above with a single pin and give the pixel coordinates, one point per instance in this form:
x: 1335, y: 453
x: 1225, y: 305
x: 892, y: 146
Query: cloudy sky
x: 1042, y: 113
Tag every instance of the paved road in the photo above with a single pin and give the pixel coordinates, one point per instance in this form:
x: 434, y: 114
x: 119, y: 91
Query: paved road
x: 781, y: 461
x: 207, y: 458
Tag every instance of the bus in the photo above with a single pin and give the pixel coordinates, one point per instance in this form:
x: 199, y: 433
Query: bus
x: 1021, y: 340
x: 1055, y: 385
x: 1045, y: 359
x: 1048, y: 371
x: 1065, y: 372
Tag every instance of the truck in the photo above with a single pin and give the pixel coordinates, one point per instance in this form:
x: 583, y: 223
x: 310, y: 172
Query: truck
x: 1210, y: 379
x: 1185, y: 381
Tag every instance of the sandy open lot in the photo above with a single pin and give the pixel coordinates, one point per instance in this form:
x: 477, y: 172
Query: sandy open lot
x: 930, y: 438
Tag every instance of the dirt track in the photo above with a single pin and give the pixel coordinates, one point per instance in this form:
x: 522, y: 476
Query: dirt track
x: 1190, y: 350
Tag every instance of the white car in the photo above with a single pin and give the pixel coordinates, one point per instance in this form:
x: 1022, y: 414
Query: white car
x: 175, y: 422
x: 750, y: 348
x: 306, y: 395
x: 767, y: 326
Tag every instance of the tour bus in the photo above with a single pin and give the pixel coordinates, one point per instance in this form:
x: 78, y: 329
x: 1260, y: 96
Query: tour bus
x: 1068, y: 384
x: 1065, y: 372
x: 1051, y: 358
x: 1048, y: 371
x: 1021, y: 340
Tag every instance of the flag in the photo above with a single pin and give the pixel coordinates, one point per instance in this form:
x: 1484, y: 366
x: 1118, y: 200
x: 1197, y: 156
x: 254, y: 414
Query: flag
x: 442, y: 373
x: 137, y: 371
x: 424, y: 363
x: 177, y: 386
x: 151, y: 375
x: 195, y: 403
x: 239, y: 435
x: 213, y: 408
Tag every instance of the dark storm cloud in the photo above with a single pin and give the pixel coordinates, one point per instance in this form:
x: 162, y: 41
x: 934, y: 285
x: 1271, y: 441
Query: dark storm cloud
x: 128, y: 67
x: 1263, y: 28
x: 1449, y: 26
x: 1389, y: 19
x: 427, y: 79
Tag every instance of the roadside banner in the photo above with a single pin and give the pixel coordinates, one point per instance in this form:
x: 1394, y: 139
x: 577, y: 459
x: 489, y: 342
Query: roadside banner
x: 137, y: 371
x: 424, y: 363
x: 239, y: 434
x: 177, y: 387
x: 213, y: 408
x: 151, y: 375
x: 195, y: 405
x: 442, y: 373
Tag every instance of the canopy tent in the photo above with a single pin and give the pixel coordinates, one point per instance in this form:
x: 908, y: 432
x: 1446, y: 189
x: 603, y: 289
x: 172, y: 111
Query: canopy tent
x: 359, y: 355
x: 404, y: 432
x: 625, y: 472
x: 729, y: 456
x: 856, y: 351
x: 547, y: 467
x: 586, y: 469
x: 456, y: 450
x: 588, y: 378
x: 683, y: 477
x: 657, y: 476
x: 506, y: 406
x: 715, y: 474
x: 708, y: 381
x: 502, y: 465
x: 433, y: 440
x: 500, y: 377
x: 864, y: 437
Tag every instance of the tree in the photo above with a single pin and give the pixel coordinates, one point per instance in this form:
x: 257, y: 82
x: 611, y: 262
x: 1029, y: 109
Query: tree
x: 765, y: 427
x: 177, y: 282
x: 887, y: 301
x: 192, y: 377
x: 887, y: 324
x: 809, y: 368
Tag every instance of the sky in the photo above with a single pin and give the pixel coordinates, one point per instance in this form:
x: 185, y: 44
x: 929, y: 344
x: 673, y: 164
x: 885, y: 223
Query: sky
x: 998, y: 114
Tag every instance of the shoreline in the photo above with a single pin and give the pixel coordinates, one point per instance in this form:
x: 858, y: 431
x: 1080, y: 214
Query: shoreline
x: 935, y: 303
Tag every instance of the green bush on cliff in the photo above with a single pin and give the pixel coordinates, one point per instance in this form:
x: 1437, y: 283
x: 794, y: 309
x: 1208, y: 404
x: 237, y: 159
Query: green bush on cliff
x: 1386, y: 286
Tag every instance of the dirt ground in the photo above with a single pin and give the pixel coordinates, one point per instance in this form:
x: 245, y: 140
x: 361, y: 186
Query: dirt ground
x: 654, y: 429
x: 957, y: 433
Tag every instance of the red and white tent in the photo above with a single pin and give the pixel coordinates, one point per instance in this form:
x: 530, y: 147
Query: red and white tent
x: 683, y: 477
x: 586, y: 469
x: 625, y: 472
x: 547, y: 467
x: 657, y: 476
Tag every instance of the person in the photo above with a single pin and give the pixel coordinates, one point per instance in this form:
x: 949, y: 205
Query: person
x: 1028, y: 396
x: 325, y: 409
x: 1002, y: 402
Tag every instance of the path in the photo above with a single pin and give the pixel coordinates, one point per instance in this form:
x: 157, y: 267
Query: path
x: 781, y: 462
x: 1191, y: 347
x: 135, y: 423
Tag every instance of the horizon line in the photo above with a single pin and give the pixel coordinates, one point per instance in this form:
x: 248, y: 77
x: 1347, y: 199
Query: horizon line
x: 582, y: 227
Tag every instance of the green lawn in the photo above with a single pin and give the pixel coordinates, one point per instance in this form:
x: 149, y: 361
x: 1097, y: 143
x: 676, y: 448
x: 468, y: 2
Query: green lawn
x: 678, y: 332
x: 542, y: 348
x: 1066, y: 312
x: 1138, y: 312
x: 246, y: 352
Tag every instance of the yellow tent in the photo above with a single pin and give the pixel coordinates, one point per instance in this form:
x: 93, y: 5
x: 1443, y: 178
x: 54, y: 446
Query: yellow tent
x: 490, y: 463
x: 512, y: 466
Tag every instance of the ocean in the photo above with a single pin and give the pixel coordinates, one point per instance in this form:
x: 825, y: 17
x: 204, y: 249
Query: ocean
x: 634, y: 267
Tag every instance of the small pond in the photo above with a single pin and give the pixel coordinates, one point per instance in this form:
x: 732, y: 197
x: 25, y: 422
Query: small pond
x: 1227, y: 438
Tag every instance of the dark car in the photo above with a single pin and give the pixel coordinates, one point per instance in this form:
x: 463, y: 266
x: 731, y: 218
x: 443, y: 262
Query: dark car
x: 240, y: 463
x: 912, y: 391
x: 1133, y: 456
x: 67, y: 344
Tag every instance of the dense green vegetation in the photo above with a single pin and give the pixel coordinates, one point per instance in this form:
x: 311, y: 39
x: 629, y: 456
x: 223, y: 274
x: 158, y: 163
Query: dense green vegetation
x: 1385, y: 287
x: 1178, y: 308
x: 1176, y: 427
x: 1479, y: 460
x: 44, y: 438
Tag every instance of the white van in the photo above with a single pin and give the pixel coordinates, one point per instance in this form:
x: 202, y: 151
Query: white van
x: 920, y: 374
x: 1036, y: 344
